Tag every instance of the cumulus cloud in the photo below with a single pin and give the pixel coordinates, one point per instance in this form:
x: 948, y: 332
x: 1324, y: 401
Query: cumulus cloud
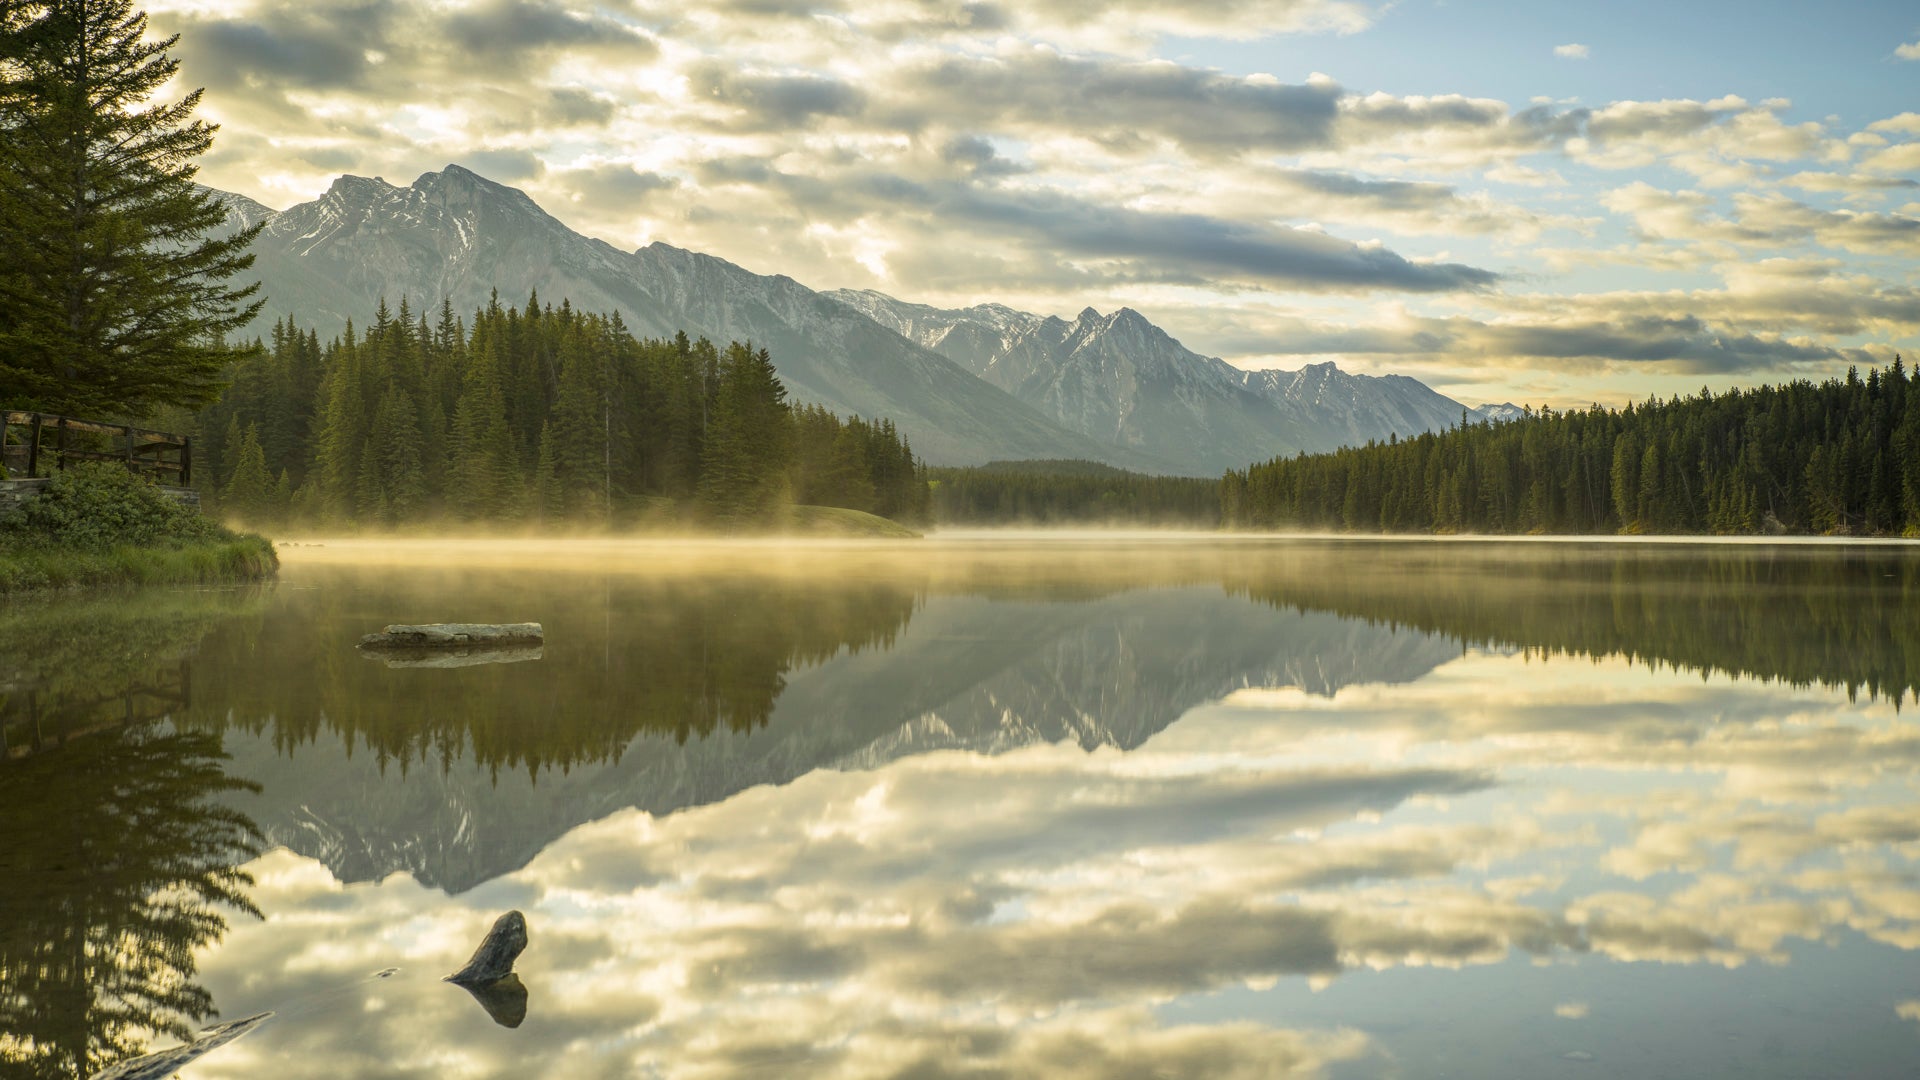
x: 1769, y: 220
x: 1908, y: 51
x: 1573, y: 51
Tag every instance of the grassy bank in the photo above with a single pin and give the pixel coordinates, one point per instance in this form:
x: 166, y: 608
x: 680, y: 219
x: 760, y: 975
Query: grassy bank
x: 838, y: 521
x: 244, y: 558
x: 102, y: 525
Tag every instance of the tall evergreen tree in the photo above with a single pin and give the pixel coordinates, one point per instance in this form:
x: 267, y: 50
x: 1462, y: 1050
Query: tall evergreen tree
x: 749, y: 439
x: 114, y: 298
x: 249, y: 494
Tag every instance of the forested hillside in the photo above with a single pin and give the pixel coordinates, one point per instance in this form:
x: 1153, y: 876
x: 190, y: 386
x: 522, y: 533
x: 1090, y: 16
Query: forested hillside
x: 1071, y: 493
x: 1840, y: 457
x: 538, y: 415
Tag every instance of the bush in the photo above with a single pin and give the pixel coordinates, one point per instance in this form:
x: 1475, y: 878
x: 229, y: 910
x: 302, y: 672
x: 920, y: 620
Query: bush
x: 100, y: 506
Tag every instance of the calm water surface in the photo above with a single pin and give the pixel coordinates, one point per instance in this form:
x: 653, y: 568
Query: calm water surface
x: 1082, y: 808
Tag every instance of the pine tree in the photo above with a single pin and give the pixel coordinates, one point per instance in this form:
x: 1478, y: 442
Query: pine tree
x: 249, y: 493
x: 749, y: 440
x: 113, y: 300
x: 543, y: 495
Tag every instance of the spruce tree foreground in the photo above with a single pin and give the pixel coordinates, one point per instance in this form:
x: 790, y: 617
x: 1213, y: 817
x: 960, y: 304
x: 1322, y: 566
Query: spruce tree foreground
x: 534, y: 416
x: 113, y: 298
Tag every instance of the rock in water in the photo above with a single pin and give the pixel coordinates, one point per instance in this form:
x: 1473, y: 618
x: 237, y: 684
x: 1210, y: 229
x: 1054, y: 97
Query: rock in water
x: 493, y: 960
x: 454, y: 635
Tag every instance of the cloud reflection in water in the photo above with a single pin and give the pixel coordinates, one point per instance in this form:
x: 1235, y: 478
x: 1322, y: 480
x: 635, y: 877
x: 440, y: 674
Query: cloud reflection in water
x: 1037, y: 912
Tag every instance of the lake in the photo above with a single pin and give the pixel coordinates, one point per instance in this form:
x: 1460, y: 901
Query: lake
x: 980, y: 806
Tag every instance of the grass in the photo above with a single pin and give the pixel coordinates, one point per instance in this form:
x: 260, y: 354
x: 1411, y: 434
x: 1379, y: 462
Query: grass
x: 243, y: 558
x: 839, y: 521
x: 99, y: 524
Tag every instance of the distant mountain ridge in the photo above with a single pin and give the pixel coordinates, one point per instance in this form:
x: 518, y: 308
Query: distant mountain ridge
x: 966, y: 386
x: 1120, y: 378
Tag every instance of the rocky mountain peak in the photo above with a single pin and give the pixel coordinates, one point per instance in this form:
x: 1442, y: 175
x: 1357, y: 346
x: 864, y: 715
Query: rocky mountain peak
x: 358, y: 191
x: 967, y: 385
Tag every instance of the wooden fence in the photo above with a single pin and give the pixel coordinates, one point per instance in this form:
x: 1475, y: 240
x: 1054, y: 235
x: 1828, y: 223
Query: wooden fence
x: 34, y: 444
x: 31, y: 724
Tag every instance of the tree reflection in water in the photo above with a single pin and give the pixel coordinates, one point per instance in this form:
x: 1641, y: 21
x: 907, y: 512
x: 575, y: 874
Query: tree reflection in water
x: 119, y: 863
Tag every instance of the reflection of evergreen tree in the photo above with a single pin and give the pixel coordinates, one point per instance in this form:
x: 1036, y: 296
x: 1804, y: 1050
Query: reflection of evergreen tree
x: 71, y: 665
x: 117, y: 864
x: 663, y: 655
x: 1805, y: 617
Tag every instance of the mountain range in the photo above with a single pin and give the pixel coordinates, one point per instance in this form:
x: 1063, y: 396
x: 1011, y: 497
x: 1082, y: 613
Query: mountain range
x: 966, y: 386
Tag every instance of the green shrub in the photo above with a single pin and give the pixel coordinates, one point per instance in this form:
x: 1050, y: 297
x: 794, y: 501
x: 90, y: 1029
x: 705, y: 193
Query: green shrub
x: 100, y: 506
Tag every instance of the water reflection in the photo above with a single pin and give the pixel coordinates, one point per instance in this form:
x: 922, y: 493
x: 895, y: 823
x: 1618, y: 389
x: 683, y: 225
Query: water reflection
x: 121, y: 869
x: 1108, y: 809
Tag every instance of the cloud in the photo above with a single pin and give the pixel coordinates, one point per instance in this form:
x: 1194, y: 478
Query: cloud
x: 1119, y: 26
x: 1769, y: 220
x: 773, y: 102
x: 1909, y: 51
x: 1112, y: 101
x: 1570, y: 52
x: 1096, y: 238
x: 1906, y: 123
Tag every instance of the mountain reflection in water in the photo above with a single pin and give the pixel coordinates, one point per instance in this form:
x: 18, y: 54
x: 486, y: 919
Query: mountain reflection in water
x: 876, y: 810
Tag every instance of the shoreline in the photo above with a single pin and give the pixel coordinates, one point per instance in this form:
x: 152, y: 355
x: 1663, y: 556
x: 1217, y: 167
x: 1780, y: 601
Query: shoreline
x: 33, y: 571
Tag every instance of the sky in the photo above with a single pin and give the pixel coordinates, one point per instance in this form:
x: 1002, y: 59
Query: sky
x: 1551, y: 204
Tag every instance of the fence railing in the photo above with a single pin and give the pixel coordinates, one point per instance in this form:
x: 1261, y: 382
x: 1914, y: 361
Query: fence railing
x: 35, y: 444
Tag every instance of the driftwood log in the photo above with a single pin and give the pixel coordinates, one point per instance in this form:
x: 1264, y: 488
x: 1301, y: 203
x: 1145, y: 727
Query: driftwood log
x: 165, y: 1063
x: 454, y: 636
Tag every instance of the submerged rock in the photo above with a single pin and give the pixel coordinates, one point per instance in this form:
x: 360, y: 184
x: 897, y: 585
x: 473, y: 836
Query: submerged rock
x: 454, y: 635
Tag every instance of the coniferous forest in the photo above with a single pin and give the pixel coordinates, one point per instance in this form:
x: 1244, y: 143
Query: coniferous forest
x: 1071, y: 493
x: 539, y: 415
x: 1841, y: 457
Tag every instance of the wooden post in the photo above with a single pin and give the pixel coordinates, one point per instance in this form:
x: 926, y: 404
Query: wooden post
x: 61, y: 444
x: 6, y: 421
x: 186, y: 462
x: 33, y: 445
